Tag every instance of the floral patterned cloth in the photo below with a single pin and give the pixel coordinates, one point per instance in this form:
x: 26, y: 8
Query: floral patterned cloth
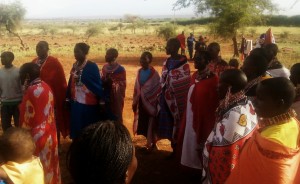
x: 37, y: 115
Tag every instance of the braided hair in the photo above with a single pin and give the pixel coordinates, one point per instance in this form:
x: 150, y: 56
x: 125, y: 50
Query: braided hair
x: 101, y: 154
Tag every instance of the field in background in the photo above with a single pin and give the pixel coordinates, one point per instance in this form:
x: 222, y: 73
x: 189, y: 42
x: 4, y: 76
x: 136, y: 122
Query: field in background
x: 130, y: 47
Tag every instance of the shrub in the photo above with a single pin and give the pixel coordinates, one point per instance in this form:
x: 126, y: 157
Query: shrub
x: 167, y: 31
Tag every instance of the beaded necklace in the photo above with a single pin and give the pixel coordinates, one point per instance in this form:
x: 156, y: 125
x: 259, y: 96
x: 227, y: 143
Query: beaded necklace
x: 77, y: 72
x: 228, y: 103
x: 277, y: 120
x: 205, y: 74
x: 252, y: 83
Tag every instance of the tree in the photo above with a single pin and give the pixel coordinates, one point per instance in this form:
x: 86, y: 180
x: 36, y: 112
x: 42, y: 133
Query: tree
x: 53, y: 31
x: 92, y: 31
x: 166, y: 31
x: 230, y: 15
x: 11, y: 16
x: 133, y: 20
x: 120, y: 26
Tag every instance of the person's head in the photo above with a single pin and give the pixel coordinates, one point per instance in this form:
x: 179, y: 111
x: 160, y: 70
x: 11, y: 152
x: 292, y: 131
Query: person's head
x: 234, y: 79
x: 103, y: 153
x: 111, y: 55
x: 271, y: 51
x: 201, y: 60
x: 234, y: 63
x: 213, y: 50
x: 201, y: 39
x: 17, y: 145
x: 29, y: 72
x: 7, y: 59
x: 191, y: 34
x: 42, y: 49
x: 254, y: 66
x: 274, y: 96
x: 173, y: 45
x: 295, y: 74
x: 262, y: 39
x: 81, y: 50
x: 146, y: 59
x: 182, y: 32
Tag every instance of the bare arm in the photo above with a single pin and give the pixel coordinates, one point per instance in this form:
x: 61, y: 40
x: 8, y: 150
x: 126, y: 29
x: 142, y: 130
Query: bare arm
x: 3, y: 174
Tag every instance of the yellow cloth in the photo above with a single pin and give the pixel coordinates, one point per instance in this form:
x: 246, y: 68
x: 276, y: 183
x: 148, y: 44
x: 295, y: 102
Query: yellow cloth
x: 29, y: 172
x: 286, y: 134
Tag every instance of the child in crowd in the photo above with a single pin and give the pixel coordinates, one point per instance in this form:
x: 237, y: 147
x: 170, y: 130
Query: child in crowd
x: 114, y: 81
x: 144, y: 106
x: 20, y: 166
x: 10, y: 91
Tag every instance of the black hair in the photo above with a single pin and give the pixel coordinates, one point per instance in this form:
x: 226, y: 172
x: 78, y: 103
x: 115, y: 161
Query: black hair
x: 113, y: 51
x: 234, y: 78
x: 16, y: 144
x: 271, y: 50
x: 202, y: 55
x: 9, y: 54
x: 31, y: 69
x: 259, y: 52
x: 83, y: 47
x: 101, y: 154
x: 295, y: 70
x: 175, y: 43
x: 214, y: 45
x: 234, y: 63
x: 147, y: 54
x: 43, y: 43
x: 280, y: 88
x: 259, y: 62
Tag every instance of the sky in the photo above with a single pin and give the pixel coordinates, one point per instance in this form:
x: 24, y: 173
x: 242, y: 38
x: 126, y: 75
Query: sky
x: 40, y: 9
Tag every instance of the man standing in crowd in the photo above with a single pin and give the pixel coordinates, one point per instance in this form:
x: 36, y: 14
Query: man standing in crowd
x: 190, y: 42
x: 181, y: 39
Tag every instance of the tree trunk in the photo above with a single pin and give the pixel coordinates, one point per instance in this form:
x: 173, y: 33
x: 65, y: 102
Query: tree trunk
x: 17, y: 35
x: 235, y: 47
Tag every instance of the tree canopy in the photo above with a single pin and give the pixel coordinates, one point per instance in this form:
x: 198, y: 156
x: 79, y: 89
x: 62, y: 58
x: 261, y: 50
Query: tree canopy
x: 11, y: 15
x: 230, y: 15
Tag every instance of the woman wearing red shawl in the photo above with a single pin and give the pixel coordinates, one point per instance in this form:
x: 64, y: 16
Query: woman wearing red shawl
x: 37, y: 115
x: 272, y: 154
x: 235, y: 123
x: 51, y: 72
x: 199, y: 120
x: 175, y: 83
x: 144, y: 104
x: 114, y: 82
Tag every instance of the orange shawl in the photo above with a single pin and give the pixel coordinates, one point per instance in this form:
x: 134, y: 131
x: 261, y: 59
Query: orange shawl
x: 265, y: 161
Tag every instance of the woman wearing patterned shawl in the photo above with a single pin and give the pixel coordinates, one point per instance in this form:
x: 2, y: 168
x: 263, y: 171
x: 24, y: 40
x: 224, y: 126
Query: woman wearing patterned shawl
x: 84, y: 91
x: 175, y: 83
x: 114, y: 79
x: 272, y: 154
x: 235, y: 123
x: 37, y: 115
x: 144, y: 104
x: 199, y: 119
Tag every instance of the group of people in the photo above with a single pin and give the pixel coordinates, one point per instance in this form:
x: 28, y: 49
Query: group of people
x: 40, y: 100
x: 225, y: 123
x: 192, y: 44
x: 232, y: 124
